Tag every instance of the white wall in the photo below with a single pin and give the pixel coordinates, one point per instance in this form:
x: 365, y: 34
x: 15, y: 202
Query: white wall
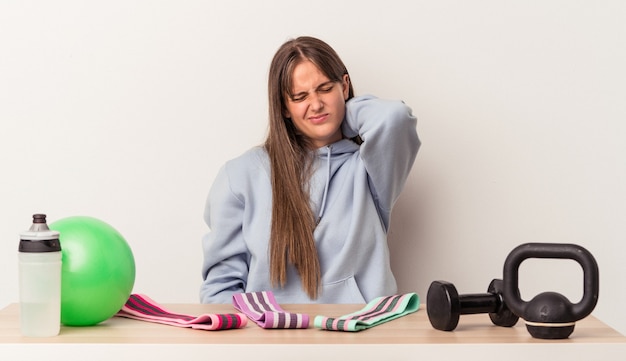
x: 125, y: 110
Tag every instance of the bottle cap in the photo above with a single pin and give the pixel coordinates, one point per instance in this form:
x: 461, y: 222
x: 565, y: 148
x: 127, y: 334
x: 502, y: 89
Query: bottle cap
x: 39, y: 238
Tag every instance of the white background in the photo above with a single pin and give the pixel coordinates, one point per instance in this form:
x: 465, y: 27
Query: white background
x: 125, y: 110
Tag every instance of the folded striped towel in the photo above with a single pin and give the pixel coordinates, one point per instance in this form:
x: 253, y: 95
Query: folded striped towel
x: 378, y: 311
x: 262, y: 308
x: 141, y: 307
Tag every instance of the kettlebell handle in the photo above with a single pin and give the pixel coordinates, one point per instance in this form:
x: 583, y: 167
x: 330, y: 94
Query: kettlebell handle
x: 556, y: 251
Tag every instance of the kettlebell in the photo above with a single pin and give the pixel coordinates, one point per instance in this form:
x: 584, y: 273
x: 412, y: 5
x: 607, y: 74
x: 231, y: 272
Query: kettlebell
x: 550, y: 315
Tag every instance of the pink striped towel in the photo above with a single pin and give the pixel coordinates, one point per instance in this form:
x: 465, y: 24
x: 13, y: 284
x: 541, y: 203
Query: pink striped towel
x: 141, y: 307
x: 262, y: 308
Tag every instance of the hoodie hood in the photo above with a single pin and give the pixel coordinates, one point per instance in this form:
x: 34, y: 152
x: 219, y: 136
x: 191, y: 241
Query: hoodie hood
x: 338, y: 148
x: 332, y: 154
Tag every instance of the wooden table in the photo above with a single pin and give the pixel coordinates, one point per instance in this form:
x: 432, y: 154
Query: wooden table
x: 408, y: 338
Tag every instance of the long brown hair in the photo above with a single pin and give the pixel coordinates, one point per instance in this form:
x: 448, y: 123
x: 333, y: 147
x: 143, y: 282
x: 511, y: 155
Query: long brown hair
x: 291, y: 159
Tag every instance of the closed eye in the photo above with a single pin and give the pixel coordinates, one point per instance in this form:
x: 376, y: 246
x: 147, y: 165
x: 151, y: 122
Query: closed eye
x: 326, y: 87
x: 298, y: 97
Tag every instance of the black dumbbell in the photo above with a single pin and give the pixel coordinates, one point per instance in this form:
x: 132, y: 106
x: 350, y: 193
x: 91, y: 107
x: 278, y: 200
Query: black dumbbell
x: 444, y: 305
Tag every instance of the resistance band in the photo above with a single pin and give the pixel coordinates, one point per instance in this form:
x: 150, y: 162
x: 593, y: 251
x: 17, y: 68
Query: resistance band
x: 378, y: 311
x: 141, y: 307
x: 262, y: 308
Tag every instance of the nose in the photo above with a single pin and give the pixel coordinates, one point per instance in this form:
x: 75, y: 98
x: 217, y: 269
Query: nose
x: 317, y: 103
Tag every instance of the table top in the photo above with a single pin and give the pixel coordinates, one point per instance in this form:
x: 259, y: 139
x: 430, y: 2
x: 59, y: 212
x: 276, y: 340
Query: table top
x: 410, y: 329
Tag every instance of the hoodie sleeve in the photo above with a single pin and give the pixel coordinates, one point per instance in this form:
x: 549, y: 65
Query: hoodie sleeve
x: 390, y: 144
x: 225, y: 266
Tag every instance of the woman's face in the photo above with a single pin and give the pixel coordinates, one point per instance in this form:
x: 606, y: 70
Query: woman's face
x: 318, y: 105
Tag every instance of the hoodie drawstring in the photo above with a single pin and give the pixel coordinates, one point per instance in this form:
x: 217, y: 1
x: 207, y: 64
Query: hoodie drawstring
x: 328, y: 154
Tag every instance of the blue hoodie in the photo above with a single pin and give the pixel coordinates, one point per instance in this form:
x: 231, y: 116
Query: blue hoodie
x: 352, y: 191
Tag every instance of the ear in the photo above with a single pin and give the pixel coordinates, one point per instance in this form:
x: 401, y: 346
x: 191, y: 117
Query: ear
x: 345, y: 83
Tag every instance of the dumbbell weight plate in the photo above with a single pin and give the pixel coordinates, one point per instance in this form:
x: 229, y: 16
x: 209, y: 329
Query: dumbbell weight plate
x: 443, y: 306
x: 504, y: 316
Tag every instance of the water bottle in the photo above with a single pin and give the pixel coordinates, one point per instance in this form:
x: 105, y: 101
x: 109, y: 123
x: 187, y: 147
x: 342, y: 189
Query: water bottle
x: 40, y: 280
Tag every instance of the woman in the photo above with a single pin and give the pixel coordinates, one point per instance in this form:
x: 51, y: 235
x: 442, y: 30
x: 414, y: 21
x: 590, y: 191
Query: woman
x: 306, y: 215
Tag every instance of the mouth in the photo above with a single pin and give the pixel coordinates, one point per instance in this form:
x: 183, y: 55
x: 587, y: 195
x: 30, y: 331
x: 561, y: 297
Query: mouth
x: 318, y: 119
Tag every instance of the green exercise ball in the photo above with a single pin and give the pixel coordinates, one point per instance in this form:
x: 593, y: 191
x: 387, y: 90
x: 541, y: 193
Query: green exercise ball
x: 98, y: 270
